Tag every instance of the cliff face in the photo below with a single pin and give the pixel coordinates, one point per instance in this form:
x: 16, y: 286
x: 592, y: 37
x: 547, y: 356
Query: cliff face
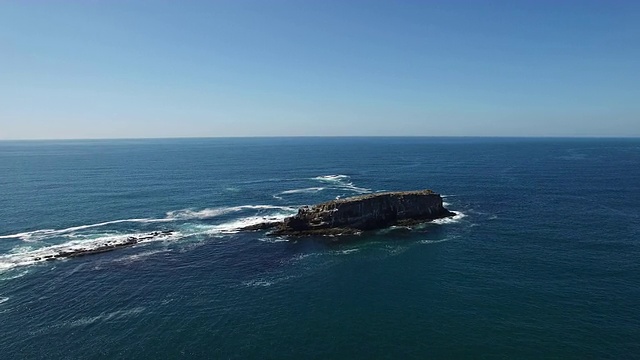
x: 366, y: 212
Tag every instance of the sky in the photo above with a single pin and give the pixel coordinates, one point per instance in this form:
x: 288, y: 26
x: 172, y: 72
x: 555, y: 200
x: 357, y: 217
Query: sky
x: 147, y: 69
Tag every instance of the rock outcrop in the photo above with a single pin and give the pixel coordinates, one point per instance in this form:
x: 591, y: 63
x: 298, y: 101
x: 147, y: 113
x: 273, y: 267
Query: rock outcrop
x: 108, y: 246
x: 366, y: 212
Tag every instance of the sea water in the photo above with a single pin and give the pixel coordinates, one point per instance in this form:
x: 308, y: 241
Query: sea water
x: 541, y: 260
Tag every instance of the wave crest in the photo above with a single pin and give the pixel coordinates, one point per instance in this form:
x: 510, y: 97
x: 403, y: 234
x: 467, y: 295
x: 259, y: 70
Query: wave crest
x: 342, y: 182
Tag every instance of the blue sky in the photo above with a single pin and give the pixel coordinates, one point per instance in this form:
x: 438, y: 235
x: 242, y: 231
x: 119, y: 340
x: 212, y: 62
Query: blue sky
x: 137, y: 69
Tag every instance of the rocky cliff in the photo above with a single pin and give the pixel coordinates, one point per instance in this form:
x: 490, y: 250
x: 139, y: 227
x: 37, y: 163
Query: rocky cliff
x: 367, y: 212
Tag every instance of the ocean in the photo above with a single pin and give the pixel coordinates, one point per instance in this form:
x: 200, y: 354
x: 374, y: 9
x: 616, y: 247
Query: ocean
x: 541, y: 260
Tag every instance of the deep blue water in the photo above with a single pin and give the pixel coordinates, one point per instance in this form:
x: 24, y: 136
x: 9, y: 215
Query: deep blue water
x: 541, y: 262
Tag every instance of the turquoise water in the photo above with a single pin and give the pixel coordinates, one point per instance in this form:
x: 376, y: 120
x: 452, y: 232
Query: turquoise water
x: 541, y: 261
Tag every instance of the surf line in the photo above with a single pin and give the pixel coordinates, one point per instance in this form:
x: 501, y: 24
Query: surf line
x: 176, y: 215
x: 108, y: 246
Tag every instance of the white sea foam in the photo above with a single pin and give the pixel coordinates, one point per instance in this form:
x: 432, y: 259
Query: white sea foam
x: 348, y: 251
x: 305, y: 255
x: 42, y: 234
x: 21, y: 249
x: 350, y: 187
x: 3, y: 299
x: 267, y: 281
x: 183, y: 214
x: 106, y: 317
x: 238, y: 224
x: 16, y: 276
x: 273, y: 239
x: 450, y: 220
x: 342, y: 182
x: 80, y: 241
x: 310, y: 190
x: 26, y: 258
x: 190, y: 214
x: 140, y: 256
x: 332, y: 178
x: 324, y: 253
x: 435, y: 241
x: 257, y: 283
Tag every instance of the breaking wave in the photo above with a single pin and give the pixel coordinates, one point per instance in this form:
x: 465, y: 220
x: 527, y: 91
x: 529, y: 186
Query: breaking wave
x: 177, y: 215
x: 208, y: 213
x: 24, y: 258
x: 41, y: 234
x: 310, y: 190
x: 29, y: 255
x: 452, y: 219
x: 342, y: 182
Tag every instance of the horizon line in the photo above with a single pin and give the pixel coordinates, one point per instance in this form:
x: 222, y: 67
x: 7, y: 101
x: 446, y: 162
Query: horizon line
x: 329, y: 137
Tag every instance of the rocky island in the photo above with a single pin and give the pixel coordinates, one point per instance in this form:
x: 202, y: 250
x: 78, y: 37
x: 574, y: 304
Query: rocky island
x: 361, y: 213
x: 346, y: 216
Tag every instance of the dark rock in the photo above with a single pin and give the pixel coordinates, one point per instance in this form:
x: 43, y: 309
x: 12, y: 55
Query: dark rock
x: 261, y: 226
x: 130, y: 241
x: 366, y: 212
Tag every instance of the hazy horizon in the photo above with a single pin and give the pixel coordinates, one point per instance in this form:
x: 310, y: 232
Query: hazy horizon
x: 101, y: 70
x: 275, y: 137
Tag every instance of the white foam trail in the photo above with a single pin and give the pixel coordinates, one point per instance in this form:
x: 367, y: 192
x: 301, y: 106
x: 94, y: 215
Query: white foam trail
x: 40, y: 255
x: 190, y: 214
x: 106, y: 316
x: 348, y: 251
x: 332, y: 178
x: 235, y: 226
x: 450, y: 220
x: 3, y: 299
x: 257, y: 283
x: 24, y: 256
x: 349, y: 186
x: 273, y: 240
x: 341, y: 182
x: 310, y: 190
x: 28, y: 255
x: 177, y: 215
x: 21, y: 249
x: 140, y: 256
x: 267, y: 282
x: 16, y: 276
x: 434, y: 241
x: 37, y: 235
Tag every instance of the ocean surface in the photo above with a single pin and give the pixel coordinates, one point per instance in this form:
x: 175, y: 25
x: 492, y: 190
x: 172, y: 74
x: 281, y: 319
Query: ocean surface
x: 542, y: 259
